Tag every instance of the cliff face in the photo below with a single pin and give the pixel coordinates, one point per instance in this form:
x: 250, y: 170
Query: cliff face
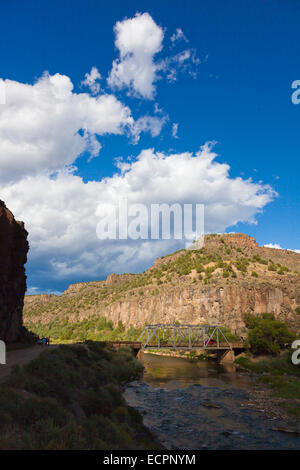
x: 13, y: 256
x: 218, y: 284
x: 216, y: 305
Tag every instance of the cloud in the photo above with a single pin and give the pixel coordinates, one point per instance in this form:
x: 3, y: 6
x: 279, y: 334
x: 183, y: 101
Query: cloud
x: 175, y: 130
x: 178, y: 35
x: 45, y: 126
x: 276, y: 246
x: 150, y: 124
x: 139, y: 40
x: 186, y: 61
x: 60, y: 212
x: 157, y: 109
x: 91, y: 80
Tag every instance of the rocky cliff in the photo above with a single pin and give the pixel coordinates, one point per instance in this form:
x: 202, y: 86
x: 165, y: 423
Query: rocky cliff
x: 13, y: 256
x: 230, y: 276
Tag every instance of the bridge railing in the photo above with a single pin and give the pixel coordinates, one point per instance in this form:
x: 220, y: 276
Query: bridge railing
x: 175, y: 336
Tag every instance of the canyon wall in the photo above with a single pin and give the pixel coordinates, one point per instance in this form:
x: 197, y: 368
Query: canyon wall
x: 219, y: 305
x: 229, y: 277
x: 13, y: 256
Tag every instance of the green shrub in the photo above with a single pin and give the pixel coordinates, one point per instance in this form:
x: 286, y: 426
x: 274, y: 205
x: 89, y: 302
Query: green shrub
x: 266, y: 334
x: 70, y: 398
x: 241, y: 264
x: 97, y: 402
x: 258, y: 259
x: 121, y: 327
x: 199, y: 268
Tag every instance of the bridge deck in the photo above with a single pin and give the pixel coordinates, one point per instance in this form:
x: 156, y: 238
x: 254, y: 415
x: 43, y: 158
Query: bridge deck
x: 195, y: 346
x: 222, y: 350
x: 139, y: 345
x: 133, y: 344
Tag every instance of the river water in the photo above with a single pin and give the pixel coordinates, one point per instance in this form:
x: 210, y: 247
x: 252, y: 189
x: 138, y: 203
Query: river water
x: 191, y: 405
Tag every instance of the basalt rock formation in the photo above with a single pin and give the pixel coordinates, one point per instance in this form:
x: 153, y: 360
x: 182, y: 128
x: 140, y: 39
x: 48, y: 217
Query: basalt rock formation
x: 230, y: 276
x: 13, y: 256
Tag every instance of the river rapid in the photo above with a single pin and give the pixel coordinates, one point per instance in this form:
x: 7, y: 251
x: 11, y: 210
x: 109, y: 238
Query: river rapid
x: 195, y: 405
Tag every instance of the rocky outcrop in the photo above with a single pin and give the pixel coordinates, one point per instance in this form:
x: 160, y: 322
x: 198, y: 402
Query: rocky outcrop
x: 13, y: 256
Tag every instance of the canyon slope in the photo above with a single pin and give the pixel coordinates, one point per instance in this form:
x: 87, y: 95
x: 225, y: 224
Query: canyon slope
x: 230, y: 276
x: 13, y: 256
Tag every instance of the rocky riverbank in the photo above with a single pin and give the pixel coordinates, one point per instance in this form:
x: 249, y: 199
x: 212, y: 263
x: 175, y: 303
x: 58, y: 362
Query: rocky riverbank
x: 262, y: 400
x: 218, y: 412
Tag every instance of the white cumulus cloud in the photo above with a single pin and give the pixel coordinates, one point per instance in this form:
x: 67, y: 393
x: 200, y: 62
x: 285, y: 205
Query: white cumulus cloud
x: 276, y: 246
x: 60, y: 212
x: 91, y: 80
x: 139, y: 40
x: 45, y: 126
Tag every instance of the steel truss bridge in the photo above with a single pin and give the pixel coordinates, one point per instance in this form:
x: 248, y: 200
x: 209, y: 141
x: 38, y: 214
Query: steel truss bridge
x: 185, y: 337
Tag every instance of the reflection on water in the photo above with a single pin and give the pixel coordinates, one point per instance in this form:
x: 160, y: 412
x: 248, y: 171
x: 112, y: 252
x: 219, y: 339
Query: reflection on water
x: 175, y: 372
x: 202, y: 405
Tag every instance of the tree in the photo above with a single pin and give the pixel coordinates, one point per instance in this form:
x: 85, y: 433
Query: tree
x: 266, y: 334
x: 121, y: 327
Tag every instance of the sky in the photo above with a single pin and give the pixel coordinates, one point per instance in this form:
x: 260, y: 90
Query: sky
x: 155, y: 102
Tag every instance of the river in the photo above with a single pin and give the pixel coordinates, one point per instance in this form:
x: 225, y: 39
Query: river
x: 194, y: 405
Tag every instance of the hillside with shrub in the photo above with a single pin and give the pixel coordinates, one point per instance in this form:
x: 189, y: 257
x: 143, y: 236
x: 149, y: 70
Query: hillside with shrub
x: 217, y: 284
x: 71, y: 398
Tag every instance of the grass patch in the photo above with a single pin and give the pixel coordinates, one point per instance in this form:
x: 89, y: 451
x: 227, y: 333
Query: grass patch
x: 278, y: 365
x: 284, y: 387
x: 281, y: 376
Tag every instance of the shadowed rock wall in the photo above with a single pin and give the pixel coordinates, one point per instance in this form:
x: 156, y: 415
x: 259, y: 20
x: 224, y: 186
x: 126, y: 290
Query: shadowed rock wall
x: 13, y: 256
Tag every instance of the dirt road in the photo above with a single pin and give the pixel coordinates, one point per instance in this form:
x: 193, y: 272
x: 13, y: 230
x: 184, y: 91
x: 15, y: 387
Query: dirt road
x: 20, y: 357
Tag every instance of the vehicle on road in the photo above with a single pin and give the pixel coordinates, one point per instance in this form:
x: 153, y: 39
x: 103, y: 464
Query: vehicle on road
x: 210, y: 342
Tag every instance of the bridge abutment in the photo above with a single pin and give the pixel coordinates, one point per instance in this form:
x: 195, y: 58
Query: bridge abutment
x: 225, y: 357
x: 140, y: 355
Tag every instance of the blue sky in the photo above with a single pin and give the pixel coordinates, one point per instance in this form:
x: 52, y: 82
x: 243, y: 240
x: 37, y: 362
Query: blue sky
x: 235, y: 89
